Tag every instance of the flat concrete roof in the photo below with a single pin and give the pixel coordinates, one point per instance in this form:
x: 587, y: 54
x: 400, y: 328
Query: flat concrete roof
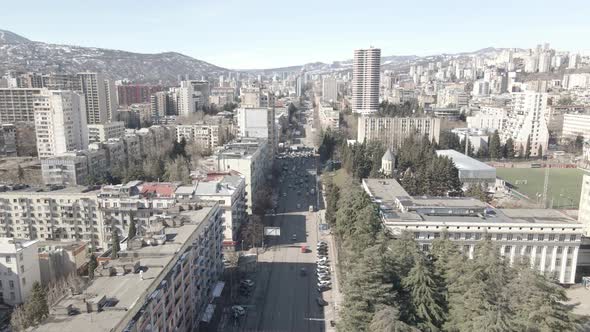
x: 464, y: 162
x: 384, y: 190
x: 125, y: 292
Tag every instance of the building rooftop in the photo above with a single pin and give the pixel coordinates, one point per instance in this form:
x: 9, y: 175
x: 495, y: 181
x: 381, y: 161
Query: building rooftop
x: 463, y: 162
x: 53, y: 189
x: 383, y: 190
x: 123, y: 294
x: 12, y: 245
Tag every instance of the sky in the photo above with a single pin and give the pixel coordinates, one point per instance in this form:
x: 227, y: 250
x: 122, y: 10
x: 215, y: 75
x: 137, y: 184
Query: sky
x: 251, y: 34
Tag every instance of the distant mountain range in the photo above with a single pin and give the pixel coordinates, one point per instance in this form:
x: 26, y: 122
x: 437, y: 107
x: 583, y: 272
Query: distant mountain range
x: 20, y: 53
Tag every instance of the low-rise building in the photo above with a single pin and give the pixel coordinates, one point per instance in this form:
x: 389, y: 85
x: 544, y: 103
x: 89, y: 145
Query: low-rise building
x: 576, y: 125
x: 165, y: 280
x: 471, y: 171
x: 329, y: 117
x: 103, y: 132
x: 19, y: 269
x: 207, y: 136
x: 548, y: 238
x: 477, y: 138
x: 57, y: 260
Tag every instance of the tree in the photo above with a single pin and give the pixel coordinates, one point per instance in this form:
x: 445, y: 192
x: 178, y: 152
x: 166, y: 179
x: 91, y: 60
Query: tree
x: 508, y: 151
x: 132, y: 230
x: 252, y: 231
x: 495, y: 147
x: 426, y: 306
x: 540, y: 151
x: 115, y: 243
x: 527, y: 148
x: 386, y: 319
x: 20, y: 174
x: 92, y: 264
x: 579, y: 143
x: 36, y: 305
x: 478, y: 191
x: 178, y: 170
x: 19, y: 320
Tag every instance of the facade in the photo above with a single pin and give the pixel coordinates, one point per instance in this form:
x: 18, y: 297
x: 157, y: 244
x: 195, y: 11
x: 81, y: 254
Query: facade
x: 57, y: 260
x: 251, y: 157
x: 392, y: 131
x: 329, y: 117
x: 548, y: 238
x: 95, y: 93
x: 365, y: 80
x: 103, y: 132
x: 163, y: 280
x: 576, y: 124
x: 60, y: 123
x: 230, y: 192
x: 258, y: 123
x: 477, y: 138
x: 527, y: 118
x: 19, y: 266
x: 471, y: 171
x: 329, y: 89
x: 207, y: 136
x: 489, y: 119
x: 192, y: 96
x: 452, y: 97
x: 18, y: 105
x: 128, y: 94
x: 66, y: 214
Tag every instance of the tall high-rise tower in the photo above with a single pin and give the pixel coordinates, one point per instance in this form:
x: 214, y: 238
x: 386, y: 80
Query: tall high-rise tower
x: 95, y: 95
x: 365, y: 80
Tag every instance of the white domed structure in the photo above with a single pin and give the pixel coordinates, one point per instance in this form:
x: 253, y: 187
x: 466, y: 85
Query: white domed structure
x: 387, y: 163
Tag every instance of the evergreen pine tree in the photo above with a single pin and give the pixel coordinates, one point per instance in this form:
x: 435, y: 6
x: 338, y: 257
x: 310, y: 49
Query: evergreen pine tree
x: 115, y: 243
x: 132, y: 230
x: 426, y: 305
x: 92, y: 264
x: 527, y: 148
x: 495, y: 147
x: 386, y: 319
x: 540, y: 152
x: 36, y: 305
x: 509, y: 148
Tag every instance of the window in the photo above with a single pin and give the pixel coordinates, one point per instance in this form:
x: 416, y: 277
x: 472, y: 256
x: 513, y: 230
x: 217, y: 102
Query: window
x: 541, y: 237
x: 562, y: 237
x: 507, y: 249
x: 466, y: 248
x: 559, y: 250
x: 436, y: 235
x: 573, y: 237
x: 530, y: 237
x: 22, y: 268
x: 417, y: 235
x: 528, y: 249
x: 499, y: 236
x: 551, y: 237
x: 12, y: 296
x: 8, y: 258
x: 478, y: 236
x: 468, y: 236
x: 0, y: 284
x: 11, y: 284
x: 509, y: 237
x: 457, y: 236
x: 24, y: 281
x: 425, y: 247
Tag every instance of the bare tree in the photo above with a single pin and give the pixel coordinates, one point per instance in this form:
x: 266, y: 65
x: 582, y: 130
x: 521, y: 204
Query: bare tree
x: 252, y: 232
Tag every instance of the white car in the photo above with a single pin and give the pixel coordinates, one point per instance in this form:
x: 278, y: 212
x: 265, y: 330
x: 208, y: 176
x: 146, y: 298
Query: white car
x: 238, y: 310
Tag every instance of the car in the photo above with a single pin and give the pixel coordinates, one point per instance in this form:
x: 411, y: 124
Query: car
x: 324, y: 278
x: 323, y: 266
x: 321, y: 302
x: 299, y: 206
x: 322, y: 260
x: 324, y: 283
x: 322, y: 243
x: 323, y: 288
x: 247, y: 283
x: 238, y: 310
x: 322, y: 256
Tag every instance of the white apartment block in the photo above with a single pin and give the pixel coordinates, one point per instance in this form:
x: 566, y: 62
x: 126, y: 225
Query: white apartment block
x: 95, y: 93
x: 576, y: 81
x: 490, y: 118
x: 393, y: 131
x: 60, y: 123
x: 329, y: 89
x: 258, y: 123
x: 192, y: 96
x: 547, y: 238
x: 366, y: 71
x: 111, y: 99
x: 19, y: 269
x: 207, y: 136
x: 66, y: 214
x: 164, y: 280
x: 103, y: 132
x: 452, y: 97
x: 17, y: 105
x: 251, y: 157
x: 527, y: 118
x: 227, y: 190
x: 576, y: 124
x: 329, y: 117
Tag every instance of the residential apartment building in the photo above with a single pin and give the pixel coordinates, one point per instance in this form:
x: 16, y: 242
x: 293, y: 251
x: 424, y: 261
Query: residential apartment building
x: 527, y: 118
x: 329, y: 117
x: 258, y: 123
x: 229, y: 190
x: 19, y: 269
x: 366, y: 71
x: 207, y: 136
x: 60, y: 123
x: 549, y: 239
x: 73, y: 168
x: 164, y: 280
x: 490, y: 118
x: 98, y: 103
x: 576, y: 125
x: 52, y: 213
x: 452, y: 97
x: 393, y: 131
x: 192, y: 96
x: 18, y: 105
x: 329, y: 89
x: 103, y: 132
x: 251, y: 157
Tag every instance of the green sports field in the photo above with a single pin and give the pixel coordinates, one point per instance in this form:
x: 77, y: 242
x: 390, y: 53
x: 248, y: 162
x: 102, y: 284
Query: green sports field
x: 565, y: 184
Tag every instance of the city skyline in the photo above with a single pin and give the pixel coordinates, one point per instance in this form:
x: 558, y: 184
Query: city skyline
x: 238, y: 37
